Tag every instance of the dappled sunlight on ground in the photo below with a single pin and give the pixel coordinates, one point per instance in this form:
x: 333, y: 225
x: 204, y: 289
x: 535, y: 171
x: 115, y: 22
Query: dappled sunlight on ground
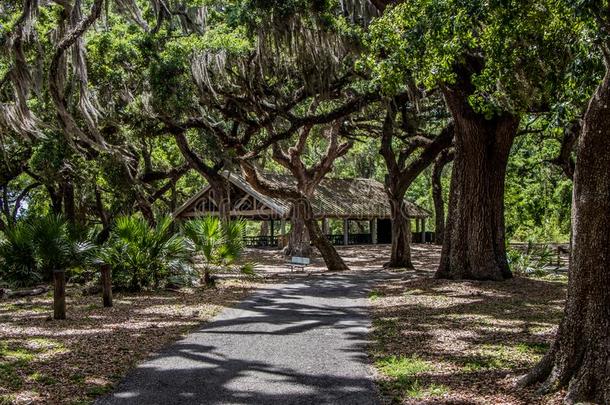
x: 47, y: 361
x: 474, y: 337
x: 357, y: 257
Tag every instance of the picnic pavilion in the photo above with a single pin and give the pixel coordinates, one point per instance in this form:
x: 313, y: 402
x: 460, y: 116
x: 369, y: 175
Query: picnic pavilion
x: 361, y: 205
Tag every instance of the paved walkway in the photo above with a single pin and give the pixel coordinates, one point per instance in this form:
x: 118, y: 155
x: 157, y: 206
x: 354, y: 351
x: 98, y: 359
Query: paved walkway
x: 296, y: 342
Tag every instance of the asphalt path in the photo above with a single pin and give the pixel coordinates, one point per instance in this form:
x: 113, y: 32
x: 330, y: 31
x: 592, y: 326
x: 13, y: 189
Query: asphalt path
x: 300, y: 341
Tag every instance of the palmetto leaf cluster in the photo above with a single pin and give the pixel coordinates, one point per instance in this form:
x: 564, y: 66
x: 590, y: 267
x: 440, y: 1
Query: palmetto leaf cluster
x: 218, y: 242
x: 32, y: 249
x: 145, y: 256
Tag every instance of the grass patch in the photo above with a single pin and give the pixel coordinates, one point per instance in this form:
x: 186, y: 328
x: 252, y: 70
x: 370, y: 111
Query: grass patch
x: 412, y: 388
x: 401, y: 366
x: 99, y: 390
x: 42, y: 378
x: 533, y: 348
x: 418, y: 391
x: 402, y: 377
x: 7, y: 399
x: 375, y: 295
x: 9, y: 377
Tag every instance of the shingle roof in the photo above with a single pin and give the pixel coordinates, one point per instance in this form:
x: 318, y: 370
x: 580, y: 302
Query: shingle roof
x: 356, y: 198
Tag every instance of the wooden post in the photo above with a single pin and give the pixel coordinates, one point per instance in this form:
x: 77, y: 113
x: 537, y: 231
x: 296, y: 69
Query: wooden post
x: 423, y: 230
x: 272, y: 223
x: 59, y: 294
x: 346, y: 231
x: 373, y: 228
x: 325, y: 226
x: 106, y: 285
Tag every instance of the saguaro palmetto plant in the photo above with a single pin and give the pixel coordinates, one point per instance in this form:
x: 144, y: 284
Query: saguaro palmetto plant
x: 219, y: 242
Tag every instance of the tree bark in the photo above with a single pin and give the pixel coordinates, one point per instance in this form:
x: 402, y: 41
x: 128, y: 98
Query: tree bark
x: 402, y: 172
x: 69, y: 206
x: 220, y: 188
x: 401, y: 235
x: 299, y: 243
x: 59, y: 294
x: 327, y: 250
x: 580, y: 356
x: 437, y: 195
x: 333, y: 261
x: 474, y: 244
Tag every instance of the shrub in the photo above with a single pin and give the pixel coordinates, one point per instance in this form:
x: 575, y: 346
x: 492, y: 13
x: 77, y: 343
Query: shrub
x: 59, y: 246
x: 17, y: 257
x: 31, y: 249
x: 145, y: 256
x: 532, y: 261
x: 219, y: 243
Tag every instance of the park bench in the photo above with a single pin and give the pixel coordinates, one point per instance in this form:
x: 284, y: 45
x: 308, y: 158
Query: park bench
x: 297, y: 262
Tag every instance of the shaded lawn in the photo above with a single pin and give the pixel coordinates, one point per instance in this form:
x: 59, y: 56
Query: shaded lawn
x: 76, y: 360
x: 441, y: 342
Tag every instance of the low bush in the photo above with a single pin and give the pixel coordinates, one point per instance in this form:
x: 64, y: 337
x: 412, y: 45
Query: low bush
x: 144, y: 256
x: 219, y: 244
x: 533, y: 260
x: 31, y: 249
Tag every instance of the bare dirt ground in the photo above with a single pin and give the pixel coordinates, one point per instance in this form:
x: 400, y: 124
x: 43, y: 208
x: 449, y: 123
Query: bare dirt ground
x: 73, y: 361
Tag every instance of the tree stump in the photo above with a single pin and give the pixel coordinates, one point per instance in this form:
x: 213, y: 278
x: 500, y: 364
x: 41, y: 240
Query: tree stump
x: 59, y: 294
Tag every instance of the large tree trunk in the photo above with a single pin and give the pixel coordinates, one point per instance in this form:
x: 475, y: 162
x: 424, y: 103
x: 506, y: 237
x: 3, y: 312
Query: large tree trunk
x: 299, y: 241
x: 333, y: 261
x: 474, y: 245
x: 400, y: 256
x: 580, y: 356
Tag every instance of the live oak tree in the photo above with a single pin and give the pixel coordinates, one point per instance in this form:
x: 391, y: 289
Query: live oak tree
x: 460, y: 49
x: 579, y: 357
x: 417, y: 151
x: 107, y: 145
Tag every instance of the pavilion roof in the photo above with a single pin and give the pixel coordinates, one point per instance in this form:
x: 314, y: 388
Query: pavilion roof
x: 355, y: 198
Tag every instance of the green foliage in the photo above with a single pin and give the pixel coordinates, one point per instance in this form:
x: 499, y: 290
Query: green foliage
x: 219, y: 242
x: 58, y: 246
x: 534, y: 260
x: 145, y: 256
x: 17, y: 256
x: 32, y: 249
x: 401, y: 366
x: 521, y: 54
x: 538, y: 196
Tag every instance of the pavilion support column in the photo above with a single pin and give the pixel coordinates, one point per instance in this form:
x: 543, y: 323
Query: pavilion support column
x: 373, y: 228
x: 283, y: 226
x: 346, y: 231
x: 325, y: 226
